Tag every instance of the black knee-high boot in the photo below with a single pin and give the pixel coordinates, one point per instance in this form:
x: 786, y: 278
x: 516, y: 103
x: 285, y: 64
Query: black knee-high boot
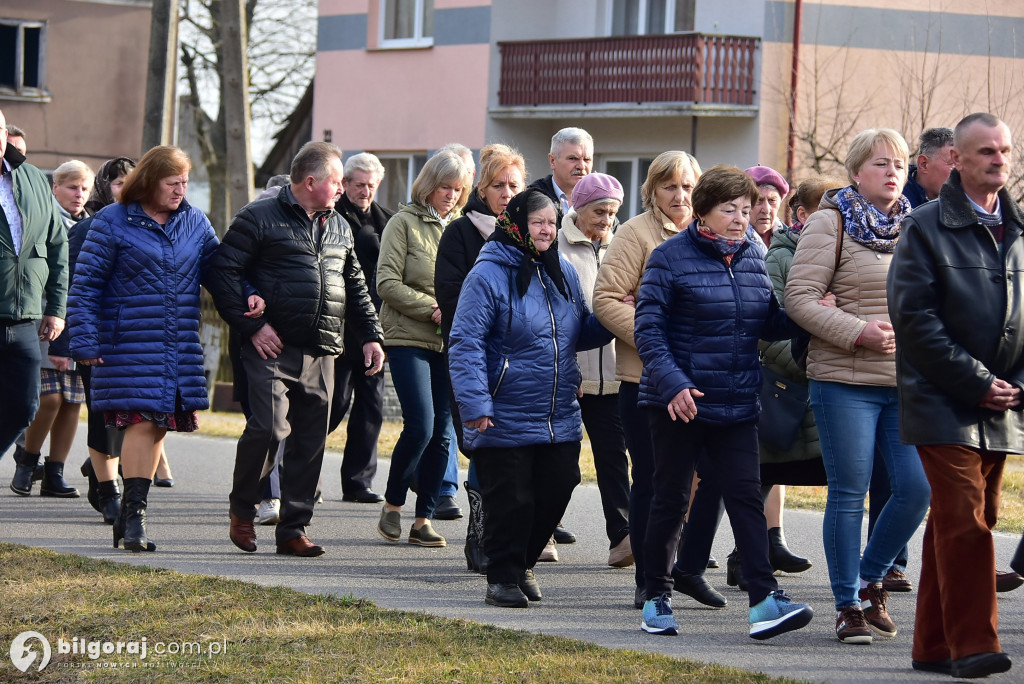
x: 108, y: 501
x: 131, y: 523
x: 476, y: 560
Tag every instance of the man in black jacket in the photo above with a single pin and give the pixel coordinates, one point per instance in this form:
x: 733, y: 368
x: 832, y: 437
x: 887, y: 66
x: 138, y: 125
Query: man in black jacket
x: 298, y: 253
x: 352, y: 387
x: 956, y: 298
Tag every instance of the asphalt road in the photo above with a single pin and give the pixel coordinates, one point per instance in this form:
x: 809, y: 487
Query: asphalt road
x: 583, y: 597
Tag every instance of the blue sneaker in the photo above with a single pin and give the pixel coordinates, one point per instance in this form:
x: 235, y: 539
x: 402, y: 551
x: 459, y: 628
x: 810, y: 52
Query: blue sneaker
x: 657, y: 617
x: 777, y: 614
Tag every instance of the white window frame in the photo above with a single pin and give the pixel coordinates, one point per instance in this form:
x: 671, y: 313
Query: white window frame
x: 634, y: 181
x: 641, y: 20
x: 20, y: 90
x: 418, y: 40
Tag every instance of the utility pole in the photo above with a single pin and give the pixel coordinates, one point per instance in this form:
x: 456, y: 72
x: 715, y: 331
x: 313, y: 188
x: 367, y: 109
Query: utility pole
x: 236, y: 103
x: 158, y: 124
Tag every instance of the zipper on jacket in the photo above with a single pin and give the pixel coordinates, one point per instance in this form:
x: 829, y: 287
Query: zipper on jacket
x: 554, y: 343
x: 501, y: 376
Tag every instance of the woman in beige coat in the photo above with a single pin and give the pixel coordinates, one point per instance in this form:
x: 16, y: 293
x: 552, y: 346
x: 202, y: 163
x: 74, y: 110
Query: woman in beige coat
x: 412, y: 337
x: 845, y: 248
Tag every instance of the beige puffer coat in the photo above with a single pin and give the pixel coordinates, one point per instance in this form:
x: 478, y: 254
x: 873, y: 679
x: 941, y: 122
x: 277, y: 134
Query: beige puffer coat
x: 596, y: 365
x: 620, y: 274
x: 859, y: 287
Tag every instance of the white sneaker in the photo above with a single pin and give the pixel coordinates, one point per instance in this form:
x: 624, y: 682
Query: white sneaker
x: 269, y: 512
x: 550, y: 552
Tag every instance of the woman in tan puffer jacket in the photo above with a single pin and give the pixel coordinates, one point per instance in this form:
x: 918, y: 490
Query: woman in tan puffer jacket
x: 846, y: 248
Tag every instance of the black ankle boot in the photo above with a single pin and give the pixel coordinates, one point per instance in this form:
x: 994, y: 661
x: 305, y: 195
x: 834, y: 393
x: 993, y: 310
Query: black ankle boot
x: 734, y: 571
x: 131, y: 523
x: 476, y: 560
x: 781, y: 557
x: 93, y: 493
x: 26, y: 464
x: 109, y: 501
x: 54, y: 484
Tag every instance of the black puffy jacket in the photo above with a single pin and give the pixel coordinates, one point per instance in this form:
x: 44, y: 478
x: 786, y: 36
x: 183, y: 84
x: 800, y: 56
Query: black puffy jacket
x: 307, y: 287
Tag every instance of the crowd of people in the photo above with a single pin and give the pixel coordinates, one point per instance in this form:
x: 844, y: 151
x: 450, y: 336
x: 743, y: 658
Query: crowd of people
x: 721, y: 344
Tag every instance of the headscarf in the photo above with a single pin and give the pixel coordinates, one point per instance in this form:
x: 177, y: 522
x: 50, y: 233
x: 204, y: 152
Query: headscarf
x: 108, y: 173
x: 512, y: 228
x: 863, y: 222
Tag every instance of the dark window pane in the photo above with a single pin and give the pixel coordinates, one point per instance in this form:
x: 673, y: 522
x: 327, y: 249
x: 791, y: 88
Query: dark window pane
x: 624, y: 17
x: 33, y: 42
x: 428, y: 18
x: 398, y: 19
x: 623, y: 172
x: 685, y: 9
x: 655, y: 17
x: 8, y: 47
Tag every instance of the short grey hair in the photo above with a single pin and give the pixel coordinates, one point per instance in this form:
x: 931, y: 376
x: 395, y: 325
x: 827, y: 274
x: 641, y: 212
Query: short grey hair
x: 16, y: 132
x: 313, y: 159
x: 990, y: 120
x: 280, y: 180
x: 570, y: 136
x: 934, y: 139
x: 365, y: 162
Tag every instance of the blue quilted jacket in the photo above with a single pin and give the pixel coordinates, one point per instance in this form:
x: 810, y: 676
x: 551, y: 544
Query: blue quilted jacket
x: 515, y: 359
x: 134, y: 302
x: 697, y: 326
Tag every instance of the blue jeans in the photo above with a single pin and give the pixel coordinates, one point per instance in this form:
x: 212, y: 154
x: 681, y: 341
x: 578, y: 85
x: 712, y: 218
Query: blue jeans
x: 19, y: 377
x: 450, y: 482
x: 853, y: 422
x: 421, y: 382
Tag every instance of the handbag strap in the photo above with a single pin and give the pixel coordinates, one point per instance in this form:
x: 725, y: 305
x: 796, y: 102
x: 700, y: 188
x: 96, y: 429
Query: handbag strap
x: 839, y: 240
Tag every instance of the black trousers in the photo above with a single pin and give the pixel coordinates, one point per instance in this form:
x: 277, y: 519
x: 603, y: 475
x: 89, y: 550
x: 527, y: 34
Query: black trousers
x: 732, y: 464
x: 641, y: 455
x: 19, y: 378
x: 365, y: 394
x: 290, y: 397
x: 604, y: 428
x: 525, y: 492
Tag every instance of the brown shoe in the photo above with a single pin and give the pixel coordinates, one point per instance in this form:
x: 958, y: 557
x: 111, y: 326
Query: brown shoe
x: 300, y: 546
x: 851, y: 628
x: 872, y: 601
x: 897, y: 581
x: 242, y: 534
x: 1007, y: 580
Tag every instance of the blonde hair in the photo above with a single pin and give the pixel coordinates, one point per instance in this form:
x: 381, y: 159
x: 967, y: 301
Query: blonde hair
x: 666, y: 166
x: 71, y: 171
x: 493, y: 160
x: 444, y: 167
x: 864, y: 143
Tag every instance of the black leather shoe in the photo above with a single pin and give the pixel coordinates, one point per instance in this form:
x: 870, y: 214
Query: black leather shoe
x: 506, y: 596
x: 529, y: 586
x: 940, y: 666
x: 1007, y: 580
x: 564, y: 536
x: 367, y: 496
x: 163, y: 481
x: 981, y: 665
x: 447, y: 509
x: 26, y: 464
x: 697, y: 588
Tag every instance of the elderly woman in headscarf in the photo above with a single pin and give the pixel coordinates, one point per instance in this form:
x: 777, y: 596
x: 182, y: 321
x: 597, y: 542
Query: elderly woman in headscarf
x: 522, y: 317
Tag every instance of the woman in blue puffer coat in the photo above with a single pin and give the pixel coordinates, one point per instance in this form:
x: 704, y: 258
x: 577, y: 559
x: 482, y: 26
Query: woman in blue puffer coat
x: 705, y: 300
x: 521, y: 319
x: 133, y: 314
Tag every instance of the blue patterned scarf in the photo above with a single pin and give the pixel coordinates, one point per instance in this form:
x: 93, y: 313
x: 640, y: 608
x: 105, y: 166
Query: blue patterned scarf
x: 866, y: 224
x: 725, y: 247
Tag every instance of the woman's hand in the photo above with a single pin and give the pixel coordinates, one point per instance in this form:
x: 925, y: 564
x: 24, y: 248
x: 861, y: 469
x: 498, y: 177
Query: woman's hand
x: 630, y: 300
x: 61, y: 363
x: 91, y: 362
x: 683, y: 405
x: 480, y: 424
x: 256, y: 306
x: 436, y: 315
x: 878, y: 336
x: 828, y: 300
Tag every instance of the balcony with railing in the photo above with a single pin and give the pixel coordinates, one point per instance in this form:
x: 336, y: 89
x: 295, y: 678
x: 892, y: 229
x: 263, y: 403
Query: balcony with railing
x: 683, y: 71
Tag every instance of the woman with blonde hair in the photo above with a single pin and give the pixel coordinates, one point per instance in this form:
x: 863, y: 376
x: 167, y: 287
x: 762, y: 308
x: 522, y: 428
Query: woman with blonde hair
x: 845, y: 248
x: 133, y: 310
x: 411, y: 319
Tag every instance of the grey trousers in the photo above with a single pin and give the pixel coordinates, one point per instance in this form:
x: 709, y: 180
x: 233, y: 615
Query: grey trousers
x: 289, y: 396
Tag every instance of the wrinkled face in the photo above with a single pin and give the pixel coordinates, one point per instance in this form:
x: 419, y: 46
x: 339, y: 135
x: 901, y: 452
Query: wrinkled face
x: 361, y: 188
x: 730, y: 218
x: 502, y: 188
x: 115, y: 187
x: 446, y: 196
x: 169, y: 193
x: 983, y: 157
x: 766, y: 210
x: 595, y: 219
x: 672, y: 197
x: 933, y: 171
x: 72, y: 194
x: 880, y: 179
x: 543, y: 225
x: 570, y: 164
x: 324, y: 193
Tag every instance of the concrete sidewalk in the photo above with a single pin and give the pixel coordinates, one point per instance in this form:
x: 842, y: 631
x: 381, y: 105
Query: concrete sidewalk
x: 583, y: 597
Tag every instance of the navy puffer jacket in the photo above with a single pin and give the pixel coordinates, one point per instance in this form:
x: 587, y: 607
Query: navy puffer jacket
x: 134, y: 303
x: 515, y: 359
x: 697, y: 326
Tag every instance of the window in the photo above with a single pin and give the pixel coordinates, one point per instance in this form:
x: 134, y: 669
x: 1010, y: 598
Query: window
x: 22, y: 57
x: 406, y: 23
x: 645, y: 17
x: 399, y: 173
x: 631, y: 173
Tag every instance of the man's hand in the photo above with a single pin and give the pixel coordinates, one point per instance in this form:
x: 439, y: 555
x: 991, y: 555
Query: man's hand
x: 480, y: 424
x: 61, y: 363
x: 50, y: 328
x: 373, y: 357
x: 256, y: 306
x: 267, y: 343
x: 436, y: 315
x: 1000, y: 396
x: 683, y: 405
x: 878, y: 336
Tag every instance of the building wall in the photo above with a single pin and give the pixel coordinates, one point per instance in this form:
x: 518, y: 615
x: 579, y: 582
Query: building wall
x: 96, y: 56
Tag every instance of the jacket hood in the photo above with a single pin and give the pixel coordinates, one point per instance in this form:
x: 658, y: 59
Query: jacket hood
x: 784, y: 239
x: 14, y: 157
x: 828, y: 200
x: 955, y: 210
x: 501, y: 254
x: 476, y: 204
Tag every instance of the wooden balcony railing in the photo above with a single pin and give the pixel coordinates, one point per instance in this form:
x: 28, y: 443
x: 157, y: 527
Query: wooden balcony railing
x: 682, y: 67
